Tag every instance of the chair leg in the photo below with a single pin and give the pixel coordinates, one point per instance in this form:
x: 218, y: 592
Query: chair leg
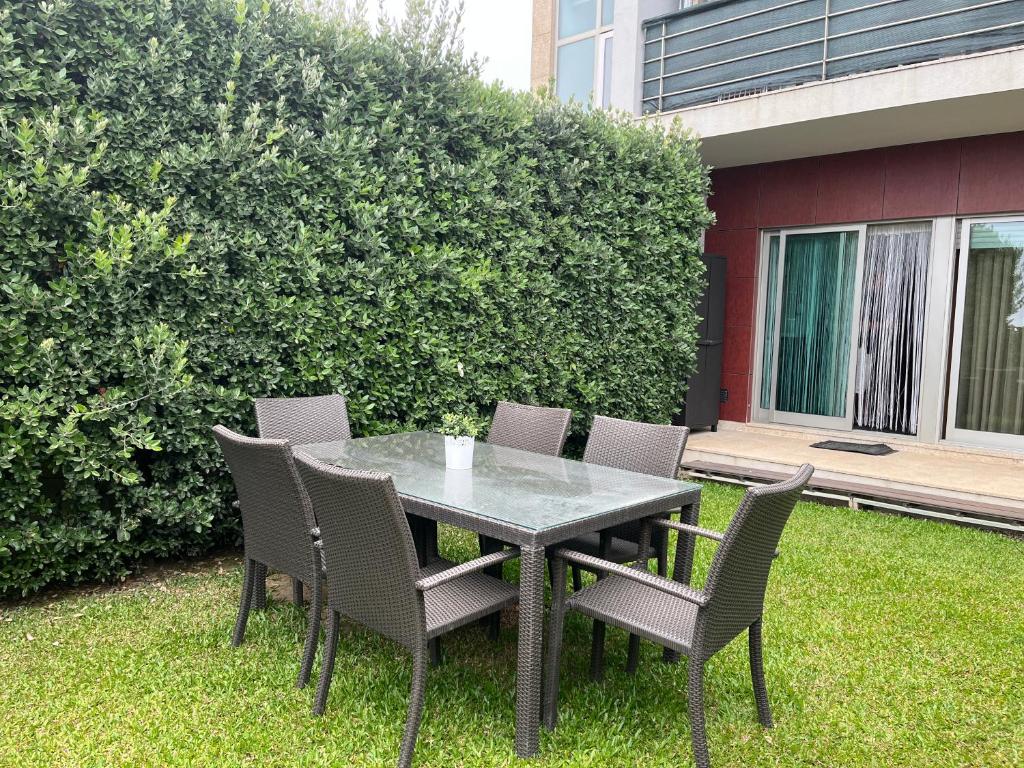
x: 764, y: 712
x: 555, y: 630
x: 597, y: 652
x: 695, y: 691
x: 416, y: 696
x: 433, y: 548
x: 246, y: 602
x: 312, y: 633
x: 259, y: 593
x: 663, y: 561
x: 296, y: 591
x: 436, y: 656
x: 633, y: 657
x: 577, y: 579
x: 492, y: 621
x: 327, y: 668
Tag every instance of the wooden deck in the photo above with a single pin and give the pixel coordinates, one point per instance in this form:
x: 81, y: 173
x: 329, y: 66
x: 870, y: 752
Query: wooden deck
x: 959, y: 484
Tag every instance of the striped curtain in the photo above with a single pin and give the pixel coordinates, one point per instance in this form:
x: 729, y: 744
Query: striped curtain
x: 815, y: 318
x: 990, y: 396
x: 891, y: 344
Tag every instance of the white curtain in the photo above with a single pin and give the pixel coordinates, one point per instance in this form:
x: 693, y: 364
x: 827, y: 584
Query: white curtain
x: 891, y: 343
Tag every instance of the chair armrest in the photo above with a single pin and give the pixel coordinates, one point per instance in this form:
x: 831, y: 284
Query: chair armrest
x: 668, y: 586
x: 687, y: 528
x: 464, y: 569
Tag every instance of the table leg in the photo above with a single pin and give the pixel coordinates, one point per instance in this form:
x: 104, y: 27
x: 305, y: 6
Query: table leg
x: 531, y: 650
x: 682, y: 571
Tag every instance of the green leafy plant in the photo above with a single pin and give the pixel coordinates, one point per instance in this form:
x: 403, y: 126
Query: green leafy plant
x: 462, y: 425
x: 205, y: 201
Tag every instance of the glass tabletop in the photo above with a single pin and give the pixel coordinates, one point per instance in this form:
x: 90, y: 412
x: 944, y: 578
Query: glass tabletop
x: 528, y: 490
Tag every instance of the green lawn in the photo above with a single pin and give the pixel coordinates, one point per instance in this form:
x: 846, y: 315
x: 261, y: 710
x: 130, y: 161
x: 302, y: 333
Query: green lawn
x: 888, y: 642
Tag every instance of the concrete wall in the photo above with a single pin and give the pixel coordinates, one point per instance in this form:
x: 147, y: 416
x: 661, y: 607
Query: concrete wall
x: 966, y: 177
x: 542, y: 61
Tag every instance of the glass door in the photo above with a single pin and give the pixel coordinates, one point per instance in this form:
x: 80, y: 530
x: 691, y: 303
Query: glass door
x: 986, y: 397
x: 812, y: 290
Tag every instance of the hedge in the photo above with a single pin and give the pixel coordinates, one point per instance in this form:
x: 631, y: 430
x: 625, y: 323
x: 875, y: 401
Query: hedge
x: 202, y: 202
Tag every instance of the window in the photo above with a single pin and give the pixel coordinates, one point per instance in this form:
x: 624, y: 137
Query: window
x: 584, y: 55
x: 576, y: 70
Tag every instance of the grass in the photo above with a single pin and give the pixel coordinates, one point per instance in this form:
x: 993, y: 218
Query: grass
x: 889, y: 642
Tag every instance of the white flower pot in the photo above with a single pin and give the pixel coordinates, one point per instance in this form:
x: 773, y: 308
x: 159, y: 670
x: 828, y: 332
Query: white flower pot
x: 458, y: 452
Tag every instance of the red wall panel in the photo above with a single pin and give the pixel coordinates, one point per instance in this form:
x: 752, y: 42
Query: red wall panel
x: 992, y: 174
x: 734, y: 199
x: 978, y: 175
x: 788, y: 193
x: 850, y: 187
x: 921, y: 180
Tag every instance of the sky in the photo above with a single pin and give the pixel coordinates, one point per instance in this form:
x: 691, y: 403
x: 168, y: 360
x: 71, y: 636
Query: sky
x: 496, y: 30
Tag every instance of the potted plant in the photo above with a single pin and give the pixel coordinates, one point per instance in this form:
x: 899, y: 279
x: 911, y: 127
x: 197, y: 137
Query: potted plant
x: 460, y: 431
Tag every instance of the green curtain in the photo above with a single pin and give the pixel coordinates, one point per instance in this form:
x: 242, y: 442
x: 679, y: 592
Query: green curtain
x: 768, y: 346
x: 819, y: 275
x: 990, y: 395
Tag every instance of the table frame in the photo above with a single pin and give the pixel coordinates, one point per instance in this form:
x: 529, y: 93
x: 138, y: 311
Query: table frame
x: 532, y: 544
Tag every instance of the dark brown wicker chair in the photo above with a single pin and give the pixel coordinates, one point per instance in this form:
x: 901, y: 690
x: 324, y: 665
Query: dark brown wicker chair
x: 652, y: 449
x: 317, y: 419
x: 278, y: 528
x: 531, y: 428
x: 697, y: 623
x: 374, y: 578
x: 320, y: 419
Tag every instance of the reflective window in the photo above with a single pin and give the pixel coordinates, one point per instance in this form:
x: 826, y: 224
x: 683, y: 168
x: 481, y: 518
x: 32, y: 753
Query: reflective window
x: 607, y: 12
x: 576, y: 17
x: 575, y: 74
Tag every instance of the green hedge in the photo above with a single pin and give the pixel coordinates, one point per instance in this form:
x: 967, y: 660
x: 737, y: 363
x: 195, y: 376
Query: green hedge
x: 203, y: 202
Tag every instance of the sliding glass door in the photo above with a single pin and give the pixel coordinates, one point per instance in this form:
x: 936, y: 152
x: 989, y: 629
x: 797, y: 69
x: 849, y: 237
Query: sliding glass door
x: 843, y: 327
x: 890, y: 348
x: 811, y: 288
x: 986, y: 398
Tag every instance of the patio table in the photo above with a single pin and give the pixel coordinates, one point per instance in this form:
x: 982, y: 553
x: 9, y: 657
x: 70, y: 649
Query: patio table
x: 527, y: 499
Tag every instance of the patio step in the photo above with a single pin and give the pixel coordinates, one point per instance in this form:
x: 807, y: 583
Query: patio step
x: 974, y: 509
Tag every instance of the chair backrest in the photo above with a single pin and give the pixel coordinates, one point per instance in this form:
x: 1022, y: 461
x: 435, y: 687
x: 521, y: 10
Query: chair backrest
x: 371, y: 561
x: 738, y: 575
x: 277, y: 519
x: 530, y: 428
x: 320, y: 419
x: 652, y: 449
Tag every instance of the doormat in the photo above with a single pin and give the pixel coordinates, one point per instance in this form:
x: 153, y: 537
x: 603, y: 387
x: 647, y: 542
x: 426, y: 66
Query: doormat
x: 871, y: 449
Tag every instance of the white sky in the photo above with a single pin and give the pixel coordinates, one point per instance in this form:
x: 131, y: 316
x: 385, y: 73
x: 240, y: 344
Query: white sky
x: 499, y: 31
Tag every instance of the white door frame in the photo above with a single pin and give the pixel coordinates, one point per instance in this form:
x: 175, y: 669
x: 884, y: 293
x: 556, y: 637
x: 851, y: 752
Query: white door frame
x: 954, y: 433
x: 800, y: 419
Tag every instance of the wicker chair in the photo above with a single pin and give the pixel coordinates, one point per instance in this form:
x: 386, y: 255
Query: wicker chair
x: 374, y: 578
x: 529, y: 428
x: 278, y: 528
x: 652, y: 449
x: 319, y: 419
x: 697, y: 623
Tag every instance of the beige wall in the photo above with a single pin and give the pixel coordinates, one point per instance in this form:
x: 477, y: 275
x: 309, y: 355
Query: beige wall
x: 542, y: 63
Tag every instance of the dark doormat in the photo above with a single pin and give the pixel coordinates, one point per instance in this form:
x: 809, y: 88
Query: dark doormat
x: 871, y: 449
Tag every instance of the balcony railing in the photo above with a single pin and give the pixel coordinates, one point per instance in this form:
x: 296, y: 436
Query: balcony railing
x: 731, y: 48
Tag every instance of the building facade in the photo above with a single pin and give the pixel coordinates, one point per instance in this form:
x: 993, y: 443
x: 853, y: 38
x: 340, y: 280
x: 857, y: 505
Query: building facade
x: 868, y: 184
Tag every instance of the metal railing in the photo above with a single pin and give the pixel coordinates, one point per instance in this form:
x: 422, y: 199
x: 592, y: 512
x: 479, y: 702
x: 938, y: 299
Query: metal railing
x: 731, y: 48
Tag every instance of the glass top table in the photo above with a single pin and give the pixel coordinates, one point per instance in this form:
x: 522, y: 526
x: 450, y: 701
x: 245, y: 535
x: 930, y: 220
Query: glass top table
x: 508, y: 487
x: 527, y: 499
